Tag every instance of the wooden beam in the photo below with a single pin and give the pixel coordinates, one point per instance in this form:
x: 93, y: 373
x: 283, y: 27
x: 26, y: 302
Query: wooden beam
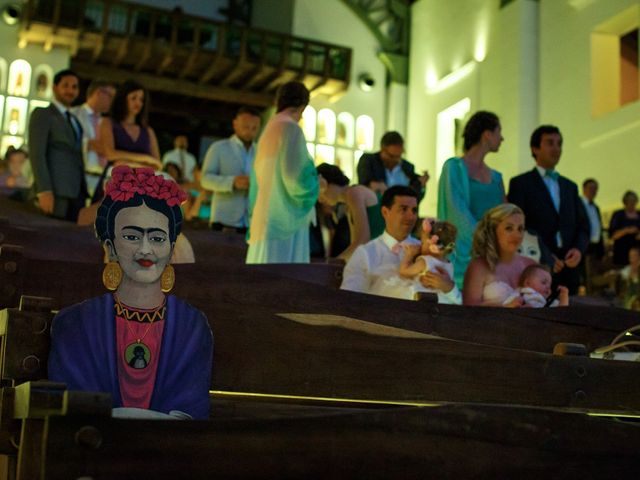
x: 221, y: 46
x: 97, y: 50
x: 122, y: 51
x: 146, y: 53
x: 234, y: 73
x: 175, y: 86
x: 124, y: 42
x: 56, y: 17
x: 252, y: 76
x: 188, y: 66
x: 169, y: 56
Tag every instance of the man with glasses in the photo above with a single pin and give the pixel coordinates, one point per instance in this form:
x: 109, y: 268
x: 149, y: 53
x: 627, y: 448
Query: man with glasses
x: 387, y: 168
x: 99, y: 97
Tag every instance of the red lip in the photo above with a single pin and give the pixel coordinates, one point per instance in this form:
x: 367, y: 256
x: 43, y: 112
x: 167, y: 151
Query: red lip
x: 144, y: 263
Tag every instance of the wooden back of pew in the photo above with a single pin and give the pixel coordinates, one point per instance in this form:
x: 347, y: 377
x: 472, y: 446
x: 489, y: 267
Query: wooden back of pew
x: 455, y: 441
x: 261, y: 351
x: 221, y: 289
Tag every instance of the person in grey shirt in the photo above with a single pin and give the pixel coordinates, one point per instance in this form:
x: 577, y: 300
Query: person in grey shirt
x: 226, y: 171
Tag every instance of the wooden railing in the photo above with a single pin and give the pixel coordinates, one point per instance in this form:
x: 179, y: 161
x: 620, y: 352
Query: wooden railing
x: 124, y: 19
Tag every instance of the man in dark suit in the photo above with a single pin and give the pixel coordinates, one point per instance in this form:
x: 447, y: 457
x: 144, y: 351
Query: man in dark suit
x: 387, y: 168
x: 595, y: 251
x: 55, y: 151
x: 552, y: 207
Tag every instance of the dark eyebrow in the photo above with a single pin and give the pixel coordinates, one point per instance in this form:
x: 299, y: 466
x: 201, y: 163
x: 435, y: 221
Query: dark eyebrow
x: 142, y: 230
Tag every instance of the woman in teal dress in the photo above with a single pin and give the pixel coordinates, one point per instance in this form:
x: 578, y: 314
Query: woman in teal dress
x: 468, y: 187
x: 363, y: 206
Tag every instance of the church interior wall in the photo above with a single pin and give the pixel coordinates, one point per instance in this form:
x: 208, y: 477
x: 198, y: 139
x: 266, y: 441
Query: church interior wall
x: 603, y: 146
x: 471, y: 50
x: 331, y: 21
x: 537, y: 68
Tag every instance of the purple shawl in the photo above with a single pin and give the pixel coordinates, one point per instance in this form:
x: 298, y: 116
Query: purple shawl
x: 83, y: 355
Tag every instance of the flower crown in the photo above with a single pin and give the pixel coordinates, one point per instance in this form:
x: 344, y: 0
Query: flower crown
x: 126, y: 182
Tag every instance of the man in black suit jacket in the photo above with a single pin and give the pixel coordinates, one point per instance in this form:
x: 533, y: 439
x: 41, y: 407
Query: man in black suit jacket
x: 387, y: 168
x: 55, y: 151
x: 552, y: 207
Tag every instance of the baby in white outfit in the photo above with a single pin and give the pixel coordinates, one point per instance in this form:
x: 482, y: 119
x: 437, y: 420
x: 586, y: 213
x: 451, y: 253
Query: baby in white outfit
x: 534, y: 286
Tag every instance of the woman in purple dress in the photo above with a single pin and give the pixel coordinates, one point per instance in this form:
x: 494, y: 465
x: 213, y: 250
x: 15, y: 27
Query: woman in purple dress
x: 149, y: 350
x: 126, y: 137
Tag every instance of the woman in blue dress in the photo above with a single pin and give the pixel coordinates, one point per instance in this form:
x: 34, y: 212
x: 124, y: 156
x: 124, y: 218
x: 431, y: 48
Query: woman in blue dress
x: 468, y: 187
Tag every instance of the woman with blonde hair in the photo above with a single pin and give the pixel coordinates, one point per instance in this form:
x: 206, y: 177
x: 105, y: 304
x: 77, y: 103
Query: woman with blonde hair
x: 492, y: 276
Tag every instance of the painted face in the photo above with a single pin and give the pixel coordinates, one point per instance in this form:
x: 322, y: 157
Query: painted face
x: 141, y: 242
x: 135, y: 101
x: 246, y: 127
x: 540, y: 281
x: 509, y: 233
x: 391, y: 154
x: 401, y: 217
x: 549, y: 151
x: 66, y: 91
x: 495, y: 139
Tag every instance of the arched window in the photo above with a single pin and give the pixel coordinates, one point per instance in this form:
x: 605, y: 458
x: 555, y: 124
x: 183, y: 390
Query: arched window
x: 42, y: 81
x: 15, y: 116
x: 364, y: 133
x: 344, y: 133
x: 308, y: 123
x: 19, y: 78
x: 326, y: 126
x: 3, y: 74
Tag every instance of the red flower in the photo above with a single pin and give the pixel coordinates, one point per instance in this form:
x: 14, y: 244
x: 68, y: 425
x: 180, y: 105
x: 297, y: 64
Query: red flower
x: 126, y: 182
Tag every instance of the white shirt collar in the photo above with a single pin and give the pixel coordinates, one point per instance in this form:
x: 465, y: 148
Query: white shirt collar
x: 235, y: 139
x: 59, y: 106
x: 389, y: 241
x: 89, y: 110
x: 543, y: 171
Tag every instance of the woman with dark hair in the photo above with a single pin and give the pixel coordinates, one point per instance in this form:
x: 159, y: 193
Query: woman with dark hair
x: 468, y: 187
x: 624, y: 228
x: 284, y: 185
x: 126, y: 136
x: 149, y: 350
x: 363, y: 206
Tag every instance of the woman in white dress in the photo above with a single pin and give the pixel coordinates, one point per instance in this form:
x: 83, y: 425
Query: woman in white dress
x: 492, y: 276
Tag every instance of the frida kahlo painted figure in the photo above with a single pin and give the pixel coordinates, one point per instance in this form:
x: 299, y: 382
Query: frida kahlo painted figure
x: 149, y: 350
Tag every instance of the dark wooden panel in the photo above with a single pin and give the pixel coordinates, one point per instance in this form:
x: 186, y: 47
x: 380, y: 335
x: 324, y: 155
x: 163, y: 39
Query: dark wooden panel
x: 450, y: 442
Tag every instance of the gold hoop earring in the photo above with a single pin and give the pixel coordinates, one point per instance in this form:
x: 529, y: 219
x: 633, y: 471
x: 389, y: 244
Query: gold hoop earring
x: 112, y: 275
x: 168, y: 279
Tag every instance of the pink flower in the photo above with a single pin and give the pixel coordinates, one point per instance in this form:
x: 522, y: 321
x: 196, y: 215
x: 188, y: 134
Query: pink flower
x: 126, y: 182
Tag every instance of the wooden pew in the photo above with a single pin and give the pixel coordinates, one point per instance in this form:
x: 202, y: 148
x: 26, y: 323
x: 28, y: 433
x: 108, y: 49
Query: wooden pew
x: 332, y: 357
x: 221, y: 289
x: 80, y: 440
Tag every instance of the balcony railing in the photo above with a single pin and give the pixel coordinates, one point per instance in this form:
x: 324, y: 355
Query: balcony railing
x: 180, y: 31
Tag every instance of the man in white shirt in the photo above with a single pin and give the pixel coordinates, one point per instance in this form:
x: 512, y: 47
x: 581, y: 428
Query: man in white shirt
x: 181, y: 157
x: 226, y: 170
x: 374, y: 264
x: 100, y: 94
